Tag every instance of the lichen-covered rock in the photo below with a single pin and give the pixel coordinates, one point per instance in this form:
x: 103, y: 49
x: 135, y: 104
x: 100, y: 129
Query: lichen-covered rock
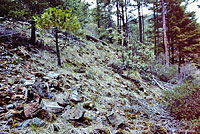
x: 73, y: 113
x: 45, y: 115
x: 24, y: 124
x: 116, y: 120
x: 89, y: 105
x: 91, y: 115
x: 62, y: 99
x: 53, y: 75
x: 75, y: 131
x: 51, y: 106
x: 100, y: 131
x: 75, y: 96
x: 37, y: 122
x: 10, y: 106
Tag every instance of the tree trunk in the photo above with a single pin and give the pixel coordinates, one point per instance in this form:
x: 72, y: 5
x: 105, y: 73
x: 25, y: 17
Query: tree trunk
x: 143, y: 35
x: 165, y: 35
x: 140, y: 21
x: 123, y: 24
x: 110, y: 22
x: 33, y: 30
x: 123, y: 17
x: 98, y: 14
x: 118, y: 22
x: 126, y: 12
x: 179, y: 65
x: 57, y: 48
x: 155, y: 30
x: 172, y: 51
x: 117, y: 6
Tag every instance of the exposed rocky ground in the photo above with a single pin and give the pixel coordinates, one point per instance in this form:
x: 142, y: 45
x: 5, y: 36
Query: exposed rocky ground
x: 86, y: 95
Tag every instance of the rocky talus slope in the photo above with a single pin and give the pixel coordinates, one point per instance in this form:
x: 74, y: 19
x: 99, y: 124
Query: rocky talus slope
x: 84, y: 96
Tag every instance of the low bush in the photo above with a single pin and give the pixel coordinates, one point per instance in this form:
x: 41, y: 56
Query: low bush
x: 184, y: 101
x: 165, y: 74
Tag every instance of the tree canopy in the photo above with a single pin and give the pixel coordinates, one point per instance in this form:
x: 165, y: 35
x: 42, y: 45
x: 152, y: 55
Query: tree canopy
x: 58, y: 18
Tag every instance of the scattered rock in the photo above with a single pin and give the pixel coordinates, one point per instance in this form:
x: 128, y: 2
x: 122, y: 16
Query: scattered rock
x: 74, y: 131
x: 157, y: 129
x: 2, y: 110
x: 100, y: 131
x: 51, y: 106
x: 61, y: 99
x: 90, y: 115
x: 75, y: 97
x: 116, y: 120
x: 74, y: 113
x: 31, y: 110
x: 37, y: 122
x: 38, y: 88
x: 10, y: 106
x: 119, y: 132
x: 29, y: 82
x: 53, y: 75
x: 24, y: 124
x: 45, y: 115
x: 81, y: 70
x: 39, y: 74
x: 89, y: 105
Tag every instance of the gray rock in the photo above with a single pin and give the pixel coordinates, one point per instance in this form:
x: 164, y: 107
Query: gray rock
x: 61, y: 99
x: 100, y: 131
x: 37, y: 122
x: 51, y: 106
x: 10, y: 106
x: 77, y: 87
x: 39, y: 74
x: 2, y: 110
x: 116, y: 120
x: 89, y: 105
x: 24, y: 124
x: 75, y: 131
x: 74, y: 113
x: 90, y: 115
x: 46, y: 78
x: 53, y: 75
x: 29, y: 82
x: 75, y: 97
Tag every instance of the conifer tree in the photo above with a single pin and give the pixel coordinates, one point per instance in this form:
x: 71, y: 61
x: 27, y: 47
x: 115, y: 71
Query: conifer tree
x: 79, y: 8
x: 58, y: 19
x: 184, y: 34
x: 165, y: 34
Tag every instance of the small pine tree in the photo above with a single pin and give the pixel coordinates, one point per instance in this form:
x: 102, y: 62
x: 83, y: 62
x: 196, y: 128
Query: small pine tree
x: 58, y: 19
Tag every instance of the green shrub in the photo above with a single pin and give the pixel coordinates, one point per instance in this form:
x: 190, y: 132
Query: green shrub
x: 165, y: 74
x: 190, y: 73
x: 184, y: 101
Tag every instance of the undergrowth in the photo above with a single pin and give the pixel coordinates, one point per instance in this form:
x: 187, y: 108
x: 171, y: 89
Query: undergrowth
x: 184, y: 103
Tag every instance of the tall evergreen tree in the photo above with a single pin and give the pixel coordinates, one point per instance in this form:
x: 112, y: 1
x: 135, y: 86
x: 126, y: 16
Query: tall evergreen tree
x: 165, y: 34
x: 79, y: 8
x: 140, y: 20
x: 183, y: 32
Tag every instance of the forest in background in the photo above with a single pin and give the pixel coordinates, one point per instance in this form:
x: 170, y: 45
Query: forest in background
x: 163, y: 45
x: 170, y: 27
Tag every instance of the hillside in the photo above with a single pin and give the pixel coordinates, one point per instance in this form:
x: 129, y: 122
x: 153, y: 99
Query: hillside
x: 87, y: 95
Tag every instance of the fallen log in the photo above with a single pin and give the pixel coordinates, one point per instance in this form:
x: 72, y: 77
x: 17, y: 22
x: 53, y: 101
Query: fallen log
x: 159, y: 85
x: 89, y: 37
